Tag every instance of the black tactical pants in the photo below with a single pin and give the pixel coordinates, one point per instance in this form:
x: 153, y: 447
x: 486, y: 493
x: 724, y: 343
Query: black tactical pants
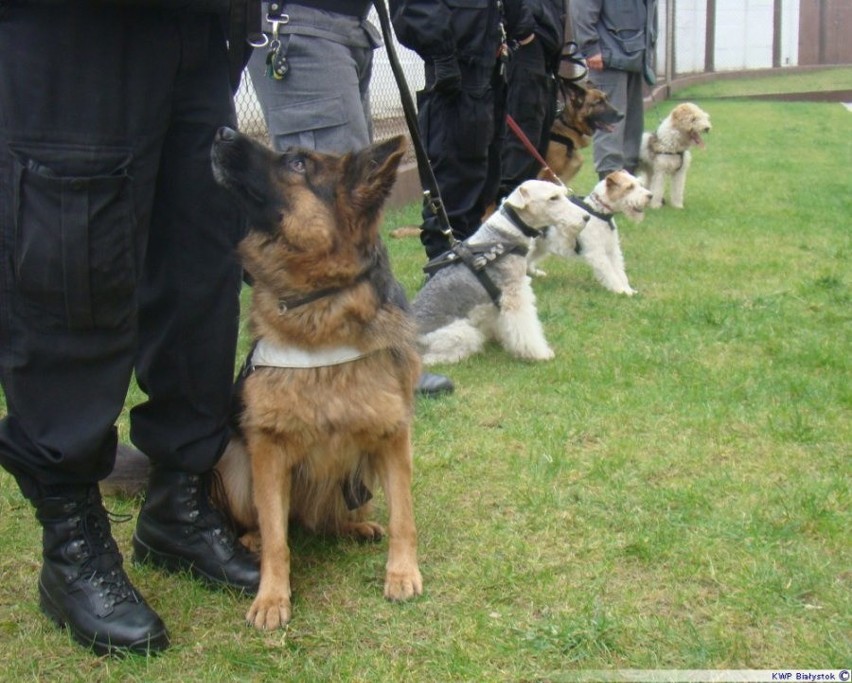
x: 463, y: 133
x: 116, y: 244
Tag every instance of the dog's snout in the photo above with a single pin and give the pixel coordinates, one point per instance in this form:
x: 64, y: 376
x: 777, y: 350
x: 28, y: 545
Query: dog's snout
x: 226, y: 134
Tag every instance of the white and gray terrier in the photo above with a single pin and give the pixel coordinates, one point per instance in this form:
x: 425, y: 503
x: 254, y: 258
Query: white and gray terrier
x: 598, y: 244
x: 665, y: 153
x: 480, y: 291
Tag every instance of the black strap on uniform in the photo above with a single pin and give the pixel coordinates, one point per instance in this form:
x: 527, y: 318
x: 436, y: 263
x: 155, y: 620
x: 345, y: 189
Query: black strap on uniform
x: 432, y: 193
x: 244, y: 32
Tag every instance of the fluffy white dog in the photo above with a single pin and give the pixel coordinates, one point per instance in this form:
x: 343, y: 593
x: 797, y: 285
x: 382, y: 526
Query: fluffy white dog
x: 665, y: 153
x: 598, y: 243
x: 479, y: 290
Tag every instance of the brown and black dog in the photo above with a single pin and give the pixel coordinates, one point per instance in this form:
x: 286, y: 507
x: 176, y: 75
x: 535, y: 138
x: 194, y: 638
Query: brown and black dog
x: 329, y: 400
x: 584, y: 110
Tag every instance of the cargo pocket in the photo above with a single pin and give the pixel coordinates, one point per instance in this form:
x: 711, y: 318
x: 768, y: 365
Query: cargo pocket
x: 299, y: 125
x: 473, y: 123
x: 74, y: 227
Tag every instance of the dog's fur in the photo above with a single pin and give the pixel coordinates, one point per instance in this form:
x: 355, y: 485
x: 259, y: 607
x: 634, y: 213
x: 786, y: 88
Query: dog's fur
x: 584, y: 110
x: 665, y: 153
x: 598, y: 244
x: 309, y: 434
x: 454, y: 313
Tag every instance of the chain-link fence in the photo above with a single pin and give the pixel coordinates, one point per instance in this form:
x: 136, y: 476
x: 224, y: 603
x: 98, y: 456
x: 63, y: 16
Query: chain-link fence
x: 696, y: 36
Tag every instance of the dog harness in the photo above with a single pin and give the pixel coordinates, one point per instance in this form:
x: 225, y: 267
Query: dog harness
x: 565, y: 140
x: 654, y: 146
x: 267, y: 354
x: 608, y: 218
x: 477, y: 256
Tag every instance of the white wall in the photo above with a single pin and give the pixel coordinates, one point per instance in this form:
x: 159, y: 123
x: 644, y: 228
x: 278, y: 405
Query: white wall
x: 743, y: 34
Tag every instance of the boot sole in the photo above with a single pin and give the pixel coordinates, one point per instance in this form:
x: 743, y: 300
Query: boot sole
x: 151, y: 645
x: 145, y: 554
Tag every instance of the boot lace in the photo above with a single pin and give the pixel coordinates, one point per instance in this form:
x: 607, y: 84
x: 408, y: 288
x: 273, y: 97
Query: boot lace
x: 103, y: 566
x: 206, y: 488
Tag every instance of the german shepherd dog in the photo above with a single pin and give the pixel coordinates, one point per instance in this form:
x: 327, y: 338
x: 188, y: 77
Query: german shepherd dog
x: 328, y: 392
x: 583, y: 111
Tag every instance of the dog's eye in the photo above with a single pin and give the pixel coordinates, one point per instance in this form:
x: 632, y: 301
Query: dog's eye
x: 297, y: 164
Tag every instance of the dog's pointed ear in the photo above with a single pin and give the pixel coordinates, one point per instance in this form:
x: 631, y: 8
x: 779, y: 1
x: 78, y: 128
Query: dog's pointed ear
x: 370, y: 173
x: 611, y: 182
x: 522, y: 198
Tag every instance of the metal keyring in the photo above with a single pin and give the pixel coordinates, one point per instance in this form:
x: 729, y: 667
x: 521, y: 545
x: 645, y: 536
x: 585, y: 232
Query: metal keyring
x: 258, y: 40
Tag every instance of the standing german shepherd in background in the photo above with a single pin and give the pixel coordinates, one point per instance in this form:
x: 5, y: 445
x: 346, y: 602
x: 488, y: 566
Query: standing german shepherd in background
x: 584, y: 110
x: 329, y: 400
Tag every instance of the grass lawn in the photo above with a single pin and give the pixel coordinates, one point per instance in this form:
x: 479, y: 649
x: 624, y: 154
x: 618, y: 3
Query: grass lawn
x: 673, y: 491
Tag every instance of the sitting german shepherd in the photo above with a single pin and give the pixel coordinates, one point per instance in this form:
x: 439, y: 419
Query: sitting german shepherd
x: 328, y: 391
x: 584, y: 110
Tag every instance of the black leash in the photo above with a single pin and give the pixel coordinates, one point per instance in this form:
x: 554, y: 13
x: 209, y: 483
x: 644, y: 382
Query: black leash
x: 432, y: 193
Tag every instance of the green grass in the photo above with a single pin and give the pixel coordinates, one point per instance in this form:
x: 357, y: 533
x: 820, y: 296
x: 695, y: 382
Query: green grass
x: 817, y: 80
x: 671, y: 492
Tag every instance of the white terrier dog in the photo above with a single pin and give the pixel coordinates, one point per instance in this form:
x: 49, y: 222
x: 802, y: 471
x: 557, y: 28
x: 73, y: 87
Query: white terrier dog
x: 598, y: 243
x: 479, y: 290
x: 665, y: 153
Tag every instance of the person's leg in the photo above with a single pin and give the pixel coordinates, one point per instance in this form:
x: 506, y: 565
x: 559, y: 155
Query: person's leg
x: 609, y: 145
x: 77, y: 178
x: 320, y: 103
x: 528, y: 103
x: 634, y: 121
x: 457, y: 130
x: 188, y: 320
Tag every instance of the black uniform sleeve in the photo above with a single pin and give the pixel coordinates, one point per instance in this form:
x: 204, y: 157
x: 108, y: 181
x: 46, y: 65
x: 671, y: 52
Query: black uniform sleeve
x: 424, y: 26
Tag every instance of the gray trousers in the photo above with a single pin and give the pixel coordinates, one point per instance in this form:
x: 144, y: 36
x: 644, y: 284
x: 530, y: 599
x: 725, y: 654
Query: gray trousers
x: 323, y: 102
x: 619, y: 149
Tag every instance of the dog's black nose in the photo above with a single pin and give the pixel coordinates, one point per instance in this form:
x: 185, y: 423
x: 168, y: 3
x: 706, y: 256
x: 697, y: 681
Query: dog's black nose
x: 226, y: 134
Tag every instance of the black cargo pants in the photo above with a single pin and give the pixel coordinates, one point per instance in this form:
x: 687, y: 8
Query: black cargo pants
x: 116, y: 244
x: 463, y: 133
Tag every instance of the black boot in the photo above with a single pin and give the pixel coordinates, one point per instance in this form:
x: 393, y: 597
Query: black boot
x: 432, y: 385
x: 179, y: 529
x: 83, y: 585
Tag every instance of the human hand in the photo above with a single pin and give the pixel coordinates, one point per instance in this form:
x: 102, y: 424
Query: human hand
x: 595, y: 62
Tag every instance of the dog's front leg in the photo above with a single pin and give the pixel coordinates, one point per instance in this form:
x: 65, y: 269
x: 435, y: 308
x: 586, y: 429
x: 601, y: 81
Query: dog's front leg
x: 679, y: 181
x: 394, y: 464
x: 271, y: 485
x: 657, y: 186
x: 518, y: 328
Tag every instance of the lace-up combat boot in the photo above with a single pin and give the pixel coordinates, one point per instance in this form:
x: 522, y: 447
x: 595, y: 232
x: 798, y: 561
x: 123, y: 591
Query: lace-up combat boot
x: 179, y: 529
x: 83, y: 585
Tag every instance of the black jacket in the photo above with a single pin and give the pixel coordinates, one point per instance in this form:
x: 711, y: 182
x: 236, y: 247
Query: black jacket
x: 549, y: 18
x: 466, y: 29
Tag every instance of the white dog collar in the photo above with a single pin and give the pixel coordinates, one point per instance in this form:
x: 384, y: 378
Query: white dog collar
x: 269, y: 355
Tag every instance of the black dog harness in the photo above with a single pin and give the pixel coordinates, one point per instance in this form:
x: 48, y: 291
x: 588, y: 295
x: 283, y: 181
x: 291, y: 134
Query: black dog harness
x: 607, y: 218
x: 564, y: 140
x: 477, y: 256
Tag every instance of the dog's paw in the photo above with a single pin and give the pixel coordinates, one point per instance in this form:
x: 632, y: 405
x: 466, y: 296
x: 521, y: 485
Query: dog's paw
x: 539, y: 354
x: 251, y: 540
x: 536, y: 272
x: 403, y: 585
x: 269, y: 612
x: 656, y: 203
x: 677, y: 206
x: 363, y: 531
